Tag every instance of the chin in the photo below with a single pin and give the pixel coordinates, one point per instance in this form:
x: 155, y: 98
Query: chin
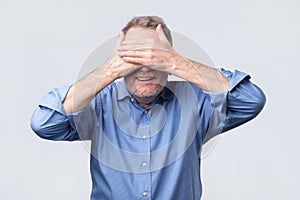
x: 147, y: 92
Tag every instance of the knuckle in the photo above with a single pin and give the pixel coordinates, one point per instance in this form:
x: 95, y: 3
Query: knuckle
x: 152, y: 55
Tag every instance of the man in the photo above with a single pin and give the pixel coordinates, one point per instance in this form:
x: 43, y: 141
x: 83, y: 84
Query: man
x: 147, y: 132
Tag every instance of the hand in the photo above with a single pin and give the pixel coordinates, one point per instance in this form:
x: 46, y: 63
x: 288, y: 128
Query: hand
x: 117, y: 66
x: 156, y: 53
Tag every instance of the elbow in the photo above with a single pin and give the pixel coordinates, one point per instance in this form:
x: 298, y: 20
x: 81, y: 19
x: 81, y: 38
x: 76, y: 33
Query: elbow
x: 52, y: 128
x: 261, y: 101
x: 258, y: 102
x: 249, y: 102
x: 244, y: 106
x: 41, y: 125
x: 37, y: 127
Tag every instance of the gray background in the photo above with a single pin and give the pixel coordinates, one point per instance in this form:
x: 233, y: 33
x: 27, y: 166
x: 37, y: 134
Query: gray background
x: 44, y: 43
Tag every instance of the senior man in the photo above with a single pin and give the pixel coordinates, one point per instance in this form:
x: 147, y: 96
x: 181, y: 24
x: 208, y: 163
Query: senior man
x: 147, y: 132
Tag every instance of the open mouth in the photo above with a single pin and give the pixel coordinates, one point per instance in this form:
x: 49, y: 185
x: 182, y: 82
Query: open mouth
x: 144, y: 78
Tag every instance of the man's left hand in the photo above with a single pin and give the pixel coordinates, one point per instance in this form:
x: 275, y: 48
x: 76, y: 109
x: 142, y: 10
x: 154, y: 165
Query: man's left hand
x: 157, y: 54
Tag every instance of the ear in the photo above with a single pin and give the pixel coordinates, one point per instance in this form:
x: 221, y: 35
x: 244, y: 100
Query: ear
x: 161, y: 34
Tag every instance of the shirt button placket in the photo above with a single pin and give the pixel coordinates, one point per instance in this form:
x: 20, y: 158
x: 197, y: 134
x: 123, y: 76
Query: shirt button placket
x: 146, y: 163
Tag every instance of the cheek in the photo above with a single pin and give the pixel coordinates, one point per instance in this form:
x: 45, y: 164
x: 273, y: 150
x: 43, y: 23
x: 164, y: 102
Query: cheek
x: 163, y: 78
x: 129, y: 80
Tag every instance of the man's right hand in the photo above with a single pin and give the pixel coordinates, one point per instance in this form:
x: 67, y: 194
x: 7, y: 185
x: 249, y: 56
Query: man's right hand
x: 115, y: 66
x: 83, y: 91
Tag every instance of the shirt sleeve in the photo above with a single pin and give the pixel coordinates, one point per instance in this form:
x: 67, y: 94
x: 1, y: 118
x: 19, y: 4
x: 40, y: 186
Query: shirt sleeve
x: 245, y: 100
x: 50, y: 121
x: 242, y: 102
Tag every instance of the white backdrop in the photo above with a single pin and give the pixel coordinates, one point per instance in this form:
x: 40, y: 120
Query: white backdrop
x: 44, y: 43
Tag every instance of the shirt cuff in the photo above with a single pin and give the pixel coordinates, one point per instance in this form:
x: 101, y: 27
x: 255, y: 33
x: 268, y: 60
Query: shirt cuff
x: 54, y: 99
x: 234, y: 77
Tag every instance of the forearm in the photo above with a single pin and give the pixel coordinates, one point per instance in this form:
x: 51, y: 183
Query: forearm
x: 84, y: 90
x: 204, y: 77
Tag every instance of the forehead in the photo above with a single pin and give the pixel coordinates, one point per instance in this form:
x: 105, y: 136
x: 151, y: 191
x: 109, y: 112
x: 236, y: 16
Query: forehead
x: 141, y: 33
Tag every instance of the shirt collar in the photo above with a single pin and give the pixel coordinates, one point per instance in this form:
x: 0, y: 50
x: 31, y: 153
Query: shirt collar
x: 123, y: 93
x: 167, y: 94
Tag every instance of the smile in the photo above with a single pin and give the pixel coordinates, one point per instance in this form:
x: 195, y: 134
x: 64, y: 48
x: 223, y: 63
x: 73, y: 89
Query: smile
x: 144, y: 78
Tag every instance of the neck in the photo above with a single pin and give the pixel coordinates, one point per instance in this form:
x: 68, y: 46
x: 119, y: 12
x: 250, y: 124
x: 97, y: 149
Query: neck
x: 145, y: 101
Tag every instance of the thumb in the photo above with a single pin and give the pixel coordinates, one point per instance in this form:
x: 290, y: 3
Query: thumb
x: 121, y: 38
x: 161, y: 34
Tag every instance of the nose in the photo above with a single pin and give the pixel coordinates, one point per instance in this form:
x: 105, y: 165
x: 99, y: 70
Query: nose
x: 145, y: 69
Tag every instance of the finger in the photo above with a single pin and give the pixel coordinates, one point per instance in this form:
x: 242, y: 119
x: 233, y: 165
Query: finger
x: 137, y: 54
x: 121, y: 38
x: 133, y: 47
x: 127, y: 68
x: 161, y: 34
x: 130, y: 47
x: 144, y: 41
x: 137, y: 41
x: 135, y: 60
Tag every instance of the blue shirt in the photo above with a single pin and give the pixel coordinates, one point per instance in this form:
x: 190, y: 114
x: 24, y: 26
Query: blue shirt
x: 152, y: 153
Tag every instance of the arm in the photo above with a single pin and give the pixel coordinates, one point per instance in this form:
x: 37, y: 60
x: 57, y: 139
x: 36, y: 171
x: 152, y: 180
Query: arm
x: 84, y: 90
x: 49, y: 120
x: 242, y: 102
x: 159, y: 55
x: 54, y: 117
x: 244, y: 99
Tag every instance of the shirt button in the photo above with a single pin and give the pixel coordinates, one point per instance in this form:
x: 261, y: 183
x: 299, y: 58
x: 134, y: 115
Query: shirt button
x: 144, y: 164
x: 145, y: 194
x: 144, y: 136
x: 131, y: 99
x: 146, y: 111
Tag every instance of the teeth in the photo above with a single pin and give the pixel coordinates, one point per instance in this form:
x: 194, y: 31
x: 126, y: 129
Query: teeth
x: 144, y: 78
